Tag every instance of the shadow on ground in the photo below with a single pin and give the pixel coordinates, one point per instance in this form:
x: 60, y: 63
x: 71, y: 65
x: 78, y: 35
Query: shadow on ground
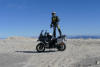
x: 36, y: 51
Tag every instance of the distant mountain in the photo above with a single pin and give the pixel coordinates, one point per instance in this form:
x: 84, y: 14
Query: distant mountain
x: 2, y: 38
x: 74, y: 37
x: 80, y: 36
x: 84, y: 37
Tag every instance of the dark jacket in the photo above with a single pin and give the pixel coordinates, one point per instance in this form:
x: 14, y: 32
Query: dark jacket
x: 55, y: 20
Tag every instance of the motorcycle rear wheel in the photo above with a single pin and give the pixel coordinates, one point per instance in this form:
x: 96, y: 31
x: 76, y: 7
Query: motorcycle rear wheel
x: 61, y: 46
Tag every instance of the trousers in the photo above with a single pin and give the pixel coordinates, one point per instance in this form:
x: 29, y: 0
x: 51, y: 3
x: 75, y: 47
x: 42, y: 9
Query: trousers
x: 54, y: 30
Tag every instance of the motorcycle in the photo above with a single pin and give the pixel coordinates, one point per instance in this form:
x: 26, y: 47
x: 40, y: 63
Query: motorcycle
x: 46, y: 41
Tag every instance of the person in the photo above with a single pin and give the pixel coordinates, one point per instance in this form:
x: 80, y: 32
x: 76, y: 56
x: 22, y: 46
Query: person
x: 55, y: 24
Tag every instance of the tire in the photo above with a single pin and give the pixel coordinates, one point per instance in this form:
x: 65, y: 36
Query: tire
x: 40, y: 47
x: 61, y: 46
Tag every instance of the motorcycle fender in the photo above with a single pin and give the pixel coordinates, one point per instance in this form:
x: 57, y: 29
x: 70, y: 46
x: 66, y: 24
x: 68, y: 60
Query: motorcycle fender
x: 41, y: 43
x: 62, y: 43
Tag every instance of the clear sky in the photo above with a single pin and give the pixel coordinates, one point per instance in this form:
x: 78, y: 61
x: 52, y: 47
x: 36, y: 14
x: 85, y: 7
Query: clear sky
x: 29, y: 17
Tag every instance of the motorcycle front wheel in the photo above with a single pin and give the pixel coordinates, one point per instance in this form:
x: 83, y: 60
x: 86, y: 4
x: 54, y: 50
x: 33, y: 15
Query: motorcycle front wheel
x: 40, y: 47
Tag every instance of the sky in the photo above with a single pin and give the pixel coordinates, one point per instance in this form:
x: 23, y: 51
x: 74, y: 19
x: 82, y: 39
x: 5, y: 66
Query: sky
x: 28, y: 17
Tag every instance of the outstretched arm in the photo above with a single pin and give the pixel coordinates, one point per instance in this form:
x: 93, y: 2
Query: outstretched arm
x: 51, y: 23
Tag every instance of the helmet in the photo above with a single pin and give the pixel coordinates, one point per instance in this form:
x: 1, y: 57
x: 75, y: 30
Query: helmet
x: 49, y: 34
x: 53, y: 12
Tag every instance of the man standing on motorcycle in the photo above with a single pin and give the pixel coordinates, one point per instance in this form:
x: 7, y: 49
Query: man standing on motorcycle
x: 54, y: 24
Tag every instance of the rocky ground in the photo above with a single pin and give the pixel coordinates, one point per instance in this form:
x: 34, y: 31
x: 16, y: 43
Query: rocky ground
x: 20, y: 52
